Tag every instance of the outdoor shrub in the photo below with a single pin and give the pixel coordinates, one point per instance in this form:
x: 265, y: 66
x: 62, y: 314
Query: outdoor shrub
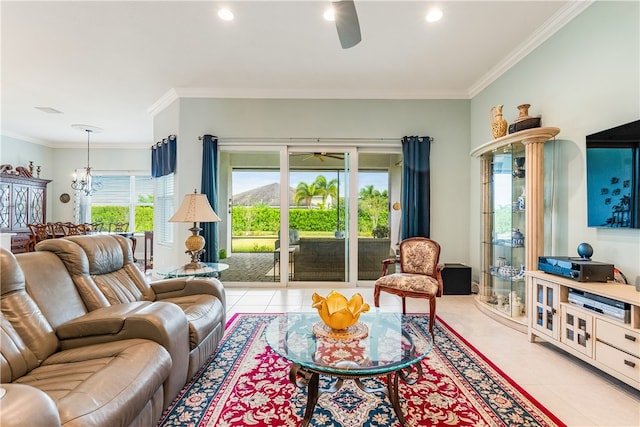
x: 380, y: 232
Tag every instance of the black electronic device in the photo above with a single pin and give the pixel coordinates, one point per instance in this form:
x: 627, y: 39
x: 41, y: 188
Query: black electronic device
x: 575, y: 268
x: 609, y: 307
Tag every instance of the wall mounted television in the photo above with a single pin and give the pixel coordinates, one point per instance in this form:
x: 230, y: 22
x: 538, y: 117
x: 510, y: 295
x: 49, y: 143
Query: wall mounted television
x: 613, y: 177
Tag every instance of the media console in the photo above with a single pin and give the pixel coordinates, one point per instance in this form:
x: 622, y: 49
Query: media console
x: 597, y: 322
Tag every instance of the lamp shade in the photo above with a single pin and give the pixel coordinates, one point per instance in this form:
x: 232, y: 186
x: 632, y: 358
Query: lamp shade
x: 195, y: 208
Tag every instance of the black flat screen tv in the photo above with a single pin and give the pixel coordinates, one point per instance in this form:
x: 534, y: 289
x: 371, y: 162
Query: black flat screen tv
x: 613, y: 177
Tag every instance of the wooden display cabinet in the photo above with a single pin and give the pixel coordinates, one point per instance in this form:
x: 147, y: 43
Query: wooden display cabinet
x: 23, y: 201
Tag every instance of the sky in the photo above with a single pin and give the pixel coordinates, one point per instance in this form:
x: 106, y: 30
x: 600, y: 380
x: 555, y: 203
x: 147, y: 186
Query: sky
x: 247, y: 180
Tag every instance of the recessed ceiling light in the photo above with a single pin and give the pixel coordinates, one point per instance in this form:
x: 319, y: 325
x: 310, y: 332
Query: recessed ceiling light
x: 329, y: 15
x: 434, y: 15
x: 225, y: 15
x: 48, y: 110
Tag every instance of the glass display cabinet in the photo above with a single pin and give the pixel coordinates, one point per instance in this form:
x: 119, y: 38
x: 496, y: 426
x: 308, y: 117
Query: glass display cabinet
x: 504, y: 240
x: 512, y: 209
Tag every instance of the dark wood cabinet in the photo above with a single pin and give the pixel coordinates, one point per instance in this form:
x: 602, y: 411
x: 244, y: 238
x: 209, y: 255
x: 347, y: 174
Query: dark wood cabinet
x: 23, y: 200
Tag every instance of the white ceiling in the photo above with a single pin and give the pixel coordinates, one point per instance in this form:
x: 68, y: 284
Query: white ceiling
x: 112, y: 64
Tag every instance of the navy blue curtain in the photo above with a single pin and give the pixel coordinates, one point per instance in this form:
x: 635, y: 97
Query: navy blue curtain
x: 416, y: 192
x: 163, y: 157
x: 210, y: 188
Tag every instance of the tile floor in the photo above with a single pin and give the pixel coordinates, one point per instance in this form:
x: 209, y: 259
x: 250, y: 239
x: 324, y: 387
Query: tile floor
x: 575, y: 392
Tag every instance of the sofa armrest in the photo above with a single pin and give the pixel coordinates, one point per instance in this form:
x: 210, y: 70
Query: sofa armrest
x: 23, y: 405
x: 184, y: 286
x: 162, y: 322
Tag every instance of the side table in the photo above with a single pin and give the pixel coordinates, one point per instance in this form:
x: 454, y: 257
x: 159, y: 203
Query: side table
x: 211, y: 269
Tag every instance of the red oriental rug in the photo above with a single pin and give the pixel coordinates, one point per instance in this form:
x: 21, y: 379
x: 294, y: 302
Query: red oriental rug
x: 246, y: 384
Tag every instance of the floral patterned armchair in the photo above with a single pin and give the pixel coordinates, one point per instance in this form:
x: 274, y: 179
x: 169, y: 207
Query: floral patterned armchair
x: 420, y: 274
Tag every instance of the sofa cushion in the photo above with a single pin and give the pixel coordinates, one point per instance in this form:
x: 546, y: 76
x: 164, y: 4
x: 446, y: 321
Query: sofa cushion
x: 204, y: 314
x: 28, y: 324
x: 102, y: 269
x: 17, y: 359
x: 102, y: 385
x: 46, y: 267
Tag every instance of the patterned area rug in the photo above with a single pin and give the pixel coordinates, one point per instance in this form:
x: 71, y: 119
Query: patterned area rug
x: 246, y: 384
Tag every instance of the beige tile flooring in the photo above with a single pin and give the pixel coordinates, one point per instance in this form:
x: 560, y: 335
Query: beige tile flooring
x: 575, y: 392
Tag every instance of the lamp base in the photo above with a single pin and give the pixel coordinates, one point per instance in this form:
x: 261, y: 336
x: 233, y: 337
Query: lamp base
x: 194, y: 266
x: 195, y: 260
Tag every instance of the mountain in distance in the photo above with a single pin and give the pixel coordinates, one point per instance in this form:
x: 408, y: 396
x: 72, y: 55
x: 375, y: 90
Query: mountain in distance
x: 268, y: 194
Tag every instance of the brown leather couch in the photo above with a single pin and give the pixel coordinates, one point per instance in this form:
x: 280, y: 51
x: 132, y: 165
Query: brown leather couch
x: 97, y: 379
x: 103, y: 271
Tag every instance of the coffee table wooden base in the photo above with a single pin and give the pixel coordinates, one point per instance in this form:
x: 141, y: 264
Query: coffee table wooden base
x: 309, y: 378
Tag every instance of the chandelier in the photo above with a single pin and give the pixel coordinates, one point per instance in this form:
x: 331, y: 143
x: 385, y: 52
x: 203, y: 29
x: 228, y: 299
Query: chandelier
x: 85, y: 182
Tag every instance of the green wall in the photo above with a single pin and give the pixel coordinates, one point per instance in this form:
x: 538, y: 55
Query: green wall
x: 584, y: 79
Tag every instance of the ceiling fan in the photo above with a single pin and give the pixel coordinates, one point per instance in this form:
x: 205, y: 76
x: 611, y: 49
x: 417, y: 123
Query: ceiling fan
x: 346, y: 19
x: 320, y: 156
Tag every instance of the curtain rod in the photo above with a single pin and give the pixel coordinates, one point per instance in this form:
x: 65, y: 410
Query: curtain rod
x: 303, y: 139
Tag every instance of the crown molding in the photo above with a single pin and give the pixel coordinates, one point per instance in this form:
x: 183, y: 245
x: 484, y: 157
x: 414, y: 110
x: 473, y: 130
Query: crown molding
x: 252, y: 93
x: 163, y: 102
x: 548, y: 29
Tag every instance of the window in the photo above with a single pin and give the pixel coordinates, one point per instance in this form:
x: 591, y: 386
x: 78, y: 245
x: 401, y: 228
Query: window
x: 124, y: 199
x: 164, y: 209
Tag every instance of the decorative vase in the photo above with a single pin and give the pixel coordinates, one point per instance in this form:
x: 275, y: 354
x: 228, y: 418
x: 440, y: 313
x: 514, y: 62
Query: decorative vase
x: 517, y: 238
x: 498, y: 123
x: 337, y: 312
x: 523, y: 112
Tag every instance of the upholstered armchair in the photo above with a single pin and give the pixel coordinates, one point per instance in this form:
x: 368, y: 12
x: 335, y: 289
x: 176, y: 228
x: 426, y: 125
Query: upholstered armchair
x: 419, y: 276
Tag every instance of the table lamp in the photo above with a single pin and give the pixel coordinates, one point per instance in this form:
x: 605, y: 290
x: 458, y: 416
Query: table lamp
x: 195, y: 208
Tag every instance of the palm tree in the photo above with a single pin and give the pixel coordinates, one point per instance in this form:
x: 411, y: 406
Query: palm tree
x: 326, y: 189
x: 304, y: 192
x: 368, y: 192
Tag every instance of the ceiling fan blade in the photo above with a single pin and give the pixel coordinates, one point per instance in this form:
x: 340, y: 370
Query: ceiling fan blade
x: 347, y: 24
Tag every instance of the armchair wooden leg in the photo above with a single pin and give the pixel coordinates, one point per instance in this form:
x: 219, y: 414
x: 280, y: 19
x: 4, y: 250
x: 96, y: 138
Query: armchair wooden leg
x: 432, y: 313
x: 376, y: 297
x: 404, y: 305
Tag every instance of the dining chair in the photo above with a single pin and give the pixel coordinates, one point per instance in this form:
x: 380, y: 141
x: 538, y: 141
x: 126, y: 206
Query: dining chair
x: 97, y: 226
x: 57, y: 229
x: 72, y: 229
x: 39, y: 232
x: 420, y: 274
x: 118, y: 227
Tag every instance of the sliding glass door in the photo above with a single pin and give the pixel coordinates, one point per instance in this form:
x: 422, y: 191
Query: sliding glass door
x: 299, y: 215
x: 250, y: 183
x: 319, y: 216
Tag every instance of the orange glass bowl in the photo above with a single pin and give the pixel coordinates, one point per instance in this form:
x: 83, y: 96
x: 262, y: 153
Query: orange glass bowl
x: 338, y: 313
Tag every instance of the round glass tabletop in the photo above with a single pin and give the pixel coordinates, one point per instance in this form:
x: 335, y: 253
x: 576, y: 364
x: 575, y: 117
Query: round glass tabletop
x: 380, y: 344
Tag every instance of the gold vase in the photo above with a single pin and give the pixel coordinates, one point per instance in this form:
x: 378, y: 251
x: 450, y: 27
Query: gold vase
x: 498, y: 123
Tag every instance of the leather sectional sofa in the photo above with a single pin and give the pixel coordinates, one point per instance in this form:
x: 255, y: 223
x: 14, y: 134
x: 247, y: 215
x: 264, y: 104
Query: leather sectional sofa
x: 73, y: 354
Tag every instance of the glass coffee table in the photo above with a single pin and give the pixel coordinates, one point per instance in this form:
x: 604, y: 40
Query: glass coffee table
x: 379, y: 345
